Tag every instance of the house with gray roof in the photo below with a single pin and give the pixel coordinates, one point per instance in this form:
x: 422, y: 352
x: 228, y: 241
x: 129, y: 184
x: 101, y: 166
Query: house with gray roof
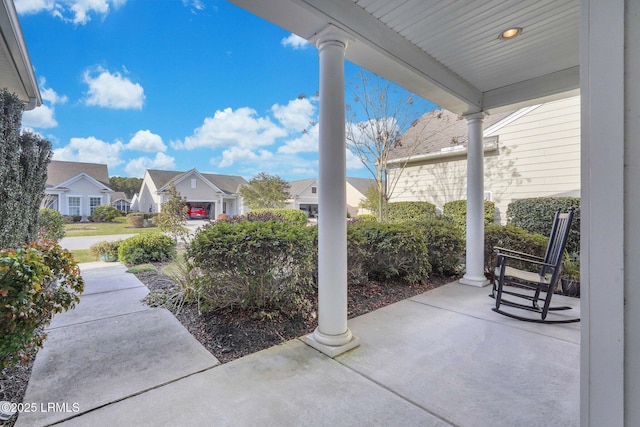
x: 529, y: 152
x: 216, y: 194
x: 76, y: 188
x: 121, y: 202
x: 304, y: 195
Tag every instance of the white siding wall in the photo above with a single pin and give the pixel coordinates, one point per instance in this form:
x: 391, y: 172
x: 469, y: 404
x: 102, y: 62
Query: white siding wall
x: 354, y: 197
x: 148, y: 197
x: 539, y: 155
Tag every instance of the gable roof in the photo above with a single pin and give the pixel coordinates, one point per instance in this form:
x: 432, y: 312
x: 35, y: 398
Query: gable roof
x: 59, y: 172
x: 361, y: 184
x: 228, y: 184
x: 119, y: 195
x: 439, y: 130
x: 297, y: 187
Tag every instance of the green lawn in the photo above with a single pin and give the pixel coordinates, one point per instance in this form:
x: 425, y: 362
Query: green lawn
x: 102, y: 229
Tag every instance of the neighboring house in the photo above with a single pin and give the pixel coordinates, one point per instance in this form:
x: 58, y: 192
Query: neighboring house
x: 75, y: 188
x: 215, y: 193
x: 356, y: 191
x: 120, y: 201
x: 532, y: 152
x: 304, y: 195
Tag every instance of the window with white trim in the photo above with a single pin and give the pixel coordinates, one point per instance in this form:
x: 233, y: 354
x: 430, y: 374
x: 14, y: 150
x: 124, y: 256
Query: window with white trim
x: 73, y: 204
x: 193, y: 182
x: 94, y: 202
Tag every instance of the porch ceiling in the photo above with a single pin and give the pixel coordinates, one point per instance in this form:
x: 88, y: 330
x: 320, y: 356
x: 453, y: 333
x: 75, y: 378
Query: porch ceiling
x: 450, y: 52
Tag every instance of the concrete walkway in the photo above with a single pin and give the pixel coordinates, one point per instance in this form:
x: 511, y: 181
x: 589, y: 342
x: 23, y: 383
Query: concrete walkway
x: 442, y: 358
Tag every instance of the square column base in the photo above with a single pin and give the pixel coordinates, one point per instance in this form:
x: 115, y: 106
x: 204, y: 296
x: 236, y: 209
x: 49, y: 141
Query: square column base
x: 331, y: 351
x: 480, y: 283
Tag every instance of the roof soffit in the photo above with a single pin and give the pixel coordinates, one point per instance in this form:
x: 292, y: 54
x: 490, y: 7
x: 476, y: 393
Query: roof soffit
x: 450, y: 53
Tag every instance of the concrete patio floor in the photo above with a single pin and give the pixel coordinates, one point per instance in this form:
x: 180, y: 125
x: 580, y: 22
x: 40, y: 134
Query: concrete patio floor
x: 442, y: 358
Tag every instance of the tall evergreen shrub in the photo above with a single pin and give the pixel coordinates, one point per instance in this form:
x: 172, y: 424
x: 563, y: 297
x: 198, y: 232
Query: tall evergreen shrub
x: 23, y: 173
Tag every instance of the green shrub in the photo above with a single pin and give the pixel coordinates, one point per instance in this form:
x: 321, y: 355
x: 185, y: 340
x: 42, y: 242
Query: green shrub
x: 36, y: 282
x: 50, y: 224
x: 252, y: 264
x: 411, y: 211
x: 104, y: 213
x: 366, y: 218
x: 514, y: 238
x: 148, y: 247
x: 456, y: 212
x: 293, y: 216
x: 135, y: 220
x: 536, y: 216
x: 446, y: 243
x: 392, y: 251
x: 105, y: 249
x: 72, y: 219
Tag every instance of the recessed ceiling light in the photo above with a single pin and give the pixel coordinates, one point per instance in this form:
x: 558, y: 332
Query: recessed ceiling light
x: 510, y: 33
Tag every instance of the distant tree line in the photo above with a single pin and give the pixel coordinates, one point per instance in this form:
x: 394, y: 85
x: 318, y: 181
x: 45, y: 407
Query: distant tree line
x: 129, y: 186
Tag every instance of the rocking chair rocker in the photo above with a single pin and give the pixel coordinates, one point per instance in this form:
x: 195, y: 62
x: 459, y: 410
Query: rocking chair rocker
x: 526, y: 285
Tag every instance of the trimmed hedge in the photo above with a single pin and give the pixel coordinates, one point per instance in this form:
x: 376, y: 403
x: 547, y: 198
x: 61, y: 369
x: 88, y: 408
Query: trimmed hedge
x: 293, y: 216
x: 252, y: 264
x: 148, y: 247
x: 446, y: 243
x: 391, y: 251
x: 456, y: 212
x: 104, y: 213
x: 511, y: 237
x: 411, y: 211
x: 135, y: 220
x: 536, y: 216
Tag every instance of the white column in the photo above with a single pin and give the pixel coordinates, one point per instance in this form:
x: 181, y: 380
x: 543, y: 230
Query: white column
x: 610, y: 212
x: 475, y: 203
x: 332, y: 336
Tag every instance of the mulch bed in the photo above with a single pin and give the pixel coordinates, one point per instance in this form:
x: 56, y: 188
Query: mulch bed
x: 234, y: 334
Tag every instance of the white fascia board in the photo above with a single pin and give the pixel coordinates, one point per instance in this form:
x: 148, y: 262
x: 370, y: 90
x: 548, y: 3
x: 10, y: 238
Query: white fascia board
x: 88, y: 177
x: 11, y: 33
x: 490, y: 145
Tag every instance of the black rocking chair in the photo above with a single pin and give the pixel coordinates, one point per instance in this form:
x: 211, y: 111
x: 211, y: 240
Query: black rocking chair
x: 536, y: 287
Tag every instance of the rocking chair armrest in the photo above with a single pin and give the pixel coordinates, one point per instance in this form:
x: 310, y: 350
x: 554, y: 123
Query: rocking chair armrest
x: 503, y: 251
x: 526, y: 260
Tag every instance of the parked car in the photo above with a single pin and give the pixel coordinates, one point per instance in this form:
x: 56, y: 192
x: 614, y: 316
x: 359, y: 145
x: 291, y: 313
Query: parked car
x: 197, y: 212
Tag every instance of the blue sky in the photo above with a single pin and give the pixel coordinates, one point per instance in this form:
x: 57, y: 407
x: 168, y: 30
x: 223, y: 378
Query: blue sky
x: 174, y: 84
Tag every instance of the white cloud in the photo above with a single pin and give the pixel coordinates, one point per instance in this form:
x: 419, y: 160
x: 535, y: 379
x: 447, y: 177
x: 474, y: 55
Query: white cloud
x: 112, y: 90
x: 195, y: 5
x: 90, y: 150
x: 145, y: 140
x: 137, y: 167
x: 306, y: 143
x: 294, y: 41
x: 40, y: 117
x: 25, y: 7
x: 296, y: 115
x: 230, y: 156
x: 353, y: 161
x: 50, y: 95
x: 77, y: 11
x: 239, y: 128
